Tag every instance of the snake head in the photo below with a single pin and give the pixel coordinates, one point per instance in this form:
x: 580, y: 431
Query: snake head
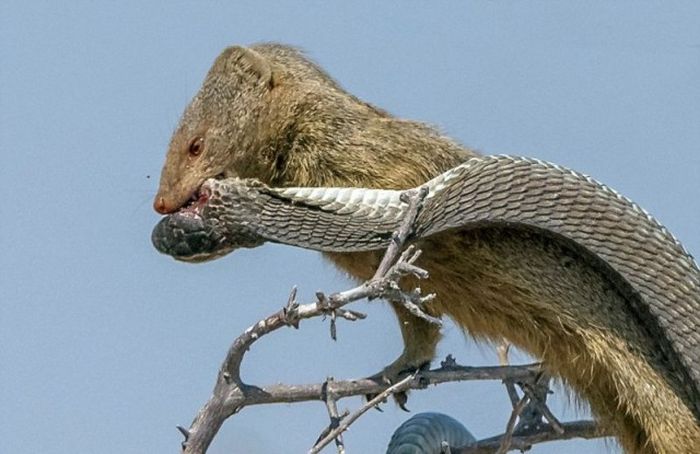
x: 188, y: 238
x: 201, y: 230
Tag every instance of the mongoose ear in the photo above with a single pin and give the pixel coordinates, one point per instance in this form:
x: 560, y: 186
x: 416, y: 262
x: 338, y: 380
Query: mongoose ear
x: 243, y: 60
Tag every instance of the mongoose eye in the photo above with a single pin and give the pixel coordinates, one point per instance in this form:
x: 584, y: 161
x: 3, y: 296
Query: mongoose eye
x: 196, y: 146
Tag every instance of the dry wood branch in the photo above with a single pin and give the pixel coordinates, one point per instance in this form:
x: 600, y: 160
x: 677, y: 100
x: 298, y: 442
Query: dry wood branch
x: 523, y: 441
x: 510, y: 427
x: 537, y: 393
x: 216, y: 411
x: 281, y: 393
x: 335, y: 417
x: 503, y: 349
x: 231, y: 394
x: 415, y: 203
x: 402, y: 385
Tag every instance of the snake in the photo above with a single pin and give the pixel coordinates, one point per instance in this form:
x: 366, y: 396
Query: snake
x: 426, y: 432
x: 620, y: 239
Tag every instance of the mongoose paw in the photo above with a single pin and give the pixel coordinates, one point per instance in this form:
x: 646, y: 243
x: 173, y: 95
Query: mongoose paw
x: 394, y: 373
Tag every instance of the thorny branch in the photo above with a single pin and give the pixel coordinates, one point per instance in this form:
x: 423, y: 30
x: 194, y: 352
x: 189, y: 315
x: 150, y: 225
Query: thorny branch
x: 331, y: 405
x: 510, y: 427
x: 402, y: 385
x: 522, y: 441
x: 231, y: 394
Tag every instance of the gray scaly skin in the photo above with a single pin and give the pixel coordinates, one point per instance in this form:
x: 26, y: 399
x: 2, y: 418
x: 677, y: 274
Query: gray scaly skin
x: 424, y: 433
x: 657, y: 280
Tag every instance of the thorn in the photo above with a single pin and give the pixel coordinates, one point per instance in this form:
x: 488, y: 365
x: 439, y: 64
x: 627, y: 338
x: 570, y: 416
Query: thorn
x: 185, y: 433
x: 449, y: 361
x: 322, y: 301
x: 334, y: 332
x: 291, y: 310
x: 292, y: 297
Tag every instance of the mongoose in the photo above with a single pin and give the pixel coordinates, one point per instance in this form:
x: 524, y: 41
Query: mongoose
x: 268, y: 112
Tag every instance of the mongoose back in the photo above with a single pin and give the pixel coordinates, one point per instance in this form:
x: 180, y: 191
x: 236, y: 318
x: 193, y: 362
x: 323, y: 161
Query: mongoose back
x: 268, y: 112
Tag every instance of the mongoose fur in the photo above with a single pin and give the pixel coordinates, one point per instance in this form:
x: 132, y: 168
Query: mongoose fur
x: 268, y: 112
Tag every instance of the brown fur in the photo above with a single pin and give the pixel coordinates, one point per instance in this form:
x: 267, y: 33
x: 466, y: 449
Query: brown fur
x: 267, y: 112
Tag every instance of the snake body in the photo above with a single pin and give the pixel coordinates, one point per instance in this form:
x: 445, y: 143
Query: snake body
x: 425, y: 433
x: 658, y: 276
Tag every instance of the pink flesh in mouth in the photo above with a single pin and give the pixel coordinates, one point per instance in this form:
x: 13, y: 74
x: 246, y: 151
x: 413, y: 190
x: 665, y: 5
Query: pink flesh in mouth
x: 193, y: 207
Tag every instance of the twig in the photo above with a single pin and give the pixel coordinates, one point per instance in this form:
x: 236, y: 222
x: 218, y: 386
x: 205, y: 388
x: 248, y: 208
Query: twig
x: 538, y: 402
x: 510, y: 427
x: 524, y: 440
x: 332, y: 407
x: 347, y: 421
x: 216, y: 411
x: 503, y: 349
x: 282, y: 393
x: 415, y: 202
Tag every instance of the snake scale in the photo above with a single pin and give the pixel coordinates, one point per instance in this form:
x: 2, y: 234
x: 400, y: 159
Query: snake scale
x: 658, y: 276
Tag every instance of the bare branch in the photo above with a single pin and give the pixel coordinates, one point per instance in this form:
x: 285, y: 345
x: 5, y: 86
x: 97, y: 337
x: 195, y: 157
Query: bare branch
x: 537, y: 399
x: 510, y: 427
x: 503, y: 349
x: 414, y: 302
x: 415, y: 202
x: 345, y: 422
x: 282, y: 393
x: 523, y: 441
x: 231, y: 394
x: 332, y: 407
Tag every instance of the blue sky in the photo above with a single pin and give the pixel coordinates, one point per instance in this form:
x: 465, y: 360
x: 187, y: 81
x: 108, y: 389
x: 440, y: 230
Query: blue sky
x: 106, y: 346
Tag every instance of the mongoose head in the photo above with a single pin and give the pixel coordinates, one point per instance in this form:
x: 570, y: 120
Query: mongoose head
x: 218, y: 130
x: 268, y: 112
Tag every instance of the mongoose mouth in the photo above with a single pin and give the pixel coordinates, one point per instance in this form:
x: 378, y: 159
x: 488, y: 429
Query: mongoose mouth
x: 195, y: 205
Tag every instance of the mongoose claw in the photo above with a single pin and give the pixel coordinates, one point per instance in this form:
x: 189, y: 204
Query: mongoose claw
x: 392, y: 374
x: 401, y: 398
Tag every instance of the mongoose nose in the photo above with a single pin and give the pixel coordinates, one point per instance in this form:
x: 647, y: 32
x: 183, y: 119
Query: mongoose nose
x: 160, y: 206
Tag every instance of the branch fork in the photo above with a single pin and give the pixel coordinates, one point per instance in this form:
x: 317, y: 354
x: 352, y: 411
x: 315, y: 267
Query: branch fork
x: 231, y: 394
